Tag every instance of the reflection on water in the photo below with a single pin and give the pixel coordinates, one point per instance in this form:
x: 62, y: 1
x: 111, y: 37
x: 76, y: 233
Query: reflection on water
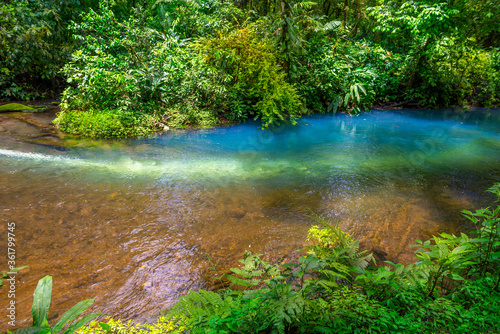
x: 128, y: 222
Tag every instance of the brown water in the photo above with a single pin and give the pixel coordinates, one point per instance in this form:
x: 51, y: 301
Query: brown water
x: 129, y: 222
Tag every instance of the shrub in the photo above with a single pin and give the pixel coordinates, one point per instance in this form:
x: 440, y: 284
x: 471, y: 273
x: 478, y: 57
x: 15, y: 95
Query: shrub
x: 346, y: 77
x: 247, y: 65
x: 107, y: 123
x: 116, y: 82
x: 188, y: 114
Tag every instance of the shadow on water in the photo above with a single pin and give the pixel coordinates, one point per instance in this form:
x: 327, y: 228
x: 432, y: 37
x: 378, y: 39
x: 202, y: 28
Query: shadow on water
x: 128, y: 222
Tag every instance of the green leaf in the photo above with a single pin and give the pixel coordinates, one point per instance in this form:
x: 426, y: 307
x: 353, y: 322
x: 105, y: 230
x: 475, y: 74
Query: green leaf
x: 480, y: 240
x: 238, y: 281
x: 81, y: 322
x: 495, y: 256
x: 105, y: 326
x: 245, y: 273
x: 459, y: 249
x: 41, y: 302
x: 346, y: 99
x: 362, y: 89
x: 457, y: 277
x: 356, y: 93
x: 31, y: 330
x: 399, y: 269
x: 72, y: 314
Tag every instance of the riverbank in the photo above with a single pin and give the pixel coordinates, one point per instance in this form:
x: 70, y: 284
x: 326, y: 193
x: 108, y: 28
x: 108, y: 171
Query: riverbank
x: 38, y: 127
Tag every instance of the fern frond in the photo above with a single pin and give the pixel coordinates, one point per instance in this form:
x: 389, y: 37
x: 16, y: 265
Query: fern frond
x: 196, y: 304
x: 211, y: 298
x: 243, y: 282
x: 288, y: 310
x: 246, y: 273
x: 328, y: 285
x: 332, y: 25
x: 361, y: 262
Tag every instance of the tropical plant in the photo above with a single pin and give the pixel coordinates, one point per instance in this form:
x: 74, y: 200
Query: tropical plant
x: 34, y: 44
x: 443, y: 257
x: 438, y: 42
x: 487, y: 243
x: 247, y: 65
x: 330, y: 242
x: 161, y: 326
x: 40, y: 312
x: 254, y: 272
x: 117, y: 87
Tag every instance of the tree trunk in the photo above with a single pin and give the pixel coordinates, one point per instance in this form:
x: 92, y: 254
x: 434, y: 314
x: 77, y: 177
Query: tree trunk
x: 417, y: 64
x: 344, y: 14
x: 284, y: 41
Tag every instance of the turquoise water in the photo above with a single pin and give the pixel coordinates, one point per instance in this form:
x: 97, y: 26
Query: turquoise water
x: 128, y: 221
x: 373, y: 146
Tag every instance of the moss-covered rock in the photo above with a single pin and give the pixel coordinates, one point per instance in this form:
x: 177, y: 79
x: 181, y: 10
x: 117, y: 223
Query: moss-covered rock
x: 16, y: 107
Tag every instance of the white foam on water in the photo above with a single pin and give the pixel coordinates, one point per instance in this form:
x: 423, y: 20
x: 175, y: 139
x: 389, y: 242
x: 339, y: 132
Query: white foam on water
x: 30, y: 155
x: 130, y: 166
x: 209, y: 167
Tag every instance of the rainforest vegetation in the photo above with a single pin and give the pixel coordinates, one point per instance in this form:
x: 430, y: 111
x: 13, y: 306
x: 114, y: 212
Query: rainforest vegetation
x: 130, y: 67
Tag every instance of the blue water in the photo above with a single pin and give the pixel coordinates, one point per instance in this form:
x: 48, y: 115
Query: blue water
x: 128, y: 221
x: 372, y: 148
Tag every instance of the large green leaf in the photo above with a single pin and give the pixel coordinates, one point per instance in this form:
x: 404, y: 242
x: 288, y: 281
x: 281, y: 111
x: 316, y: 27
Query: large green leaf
x: 33, y: 330
x: 41, y: 302
x: 72, y: 314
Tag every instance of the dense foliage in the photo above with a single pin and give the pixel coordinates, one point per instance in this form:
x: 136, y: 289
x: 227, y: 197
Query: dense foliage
x: 34, y: 44
x: 134, y: 67
x: 67, y: 324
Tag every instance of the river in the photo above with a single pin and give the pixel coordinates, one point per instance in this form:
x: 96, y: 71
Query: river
x: 128, y: 222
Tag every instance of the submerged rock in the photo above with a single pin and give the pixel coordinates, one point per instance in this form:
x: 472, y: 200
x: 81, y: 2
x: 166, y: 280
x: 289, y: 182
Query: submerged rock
x: 237, y: 213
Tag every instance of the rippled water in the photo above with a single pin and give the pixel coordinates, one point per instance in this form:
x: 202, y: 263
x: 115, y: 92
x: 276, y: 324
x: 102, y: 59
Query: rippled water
x: 128, y: 222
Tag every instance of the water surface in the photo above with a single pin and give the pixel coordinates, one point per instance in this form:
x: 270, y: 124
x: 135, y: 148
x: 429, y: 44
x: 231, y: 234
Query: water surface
x: 128, y: 222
